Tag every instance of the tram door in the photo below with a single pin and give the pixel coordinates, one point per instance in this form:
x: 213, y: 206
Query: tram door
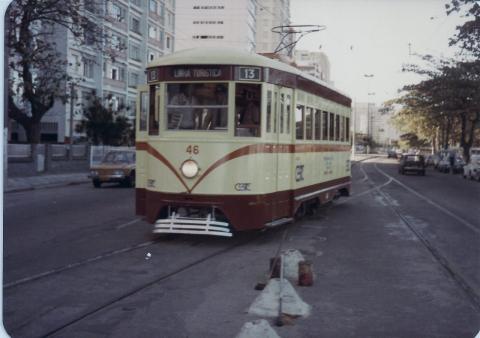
x: 284, y: 136
x: 281, y: 132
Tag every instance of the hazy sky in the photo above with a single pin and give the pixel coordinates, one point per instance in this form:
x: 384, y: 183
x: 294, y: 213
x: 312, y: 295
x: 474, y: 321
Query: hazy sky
x: 372, y: 37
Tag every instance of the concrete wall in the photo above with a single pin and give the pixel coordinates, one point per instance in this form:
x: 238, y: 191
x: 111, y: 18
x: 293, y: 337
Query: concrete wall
x: 31, y: 160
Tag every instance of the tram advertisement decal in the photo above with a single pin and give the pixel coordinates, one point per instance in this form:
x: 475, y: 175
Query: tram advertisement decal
x: 328, y: 161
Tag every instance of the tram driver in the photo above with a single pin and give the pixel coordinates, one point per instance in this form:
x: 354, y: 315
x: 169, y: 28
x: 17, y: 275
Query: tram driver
x: 184, y: 97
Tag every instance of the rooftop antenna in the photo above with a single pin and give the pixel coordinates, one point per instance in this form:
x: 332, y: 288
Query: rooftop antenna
x: 290, y: 30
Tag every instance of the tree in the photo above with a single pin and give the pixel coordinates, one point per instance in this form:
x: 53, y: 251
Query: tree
x: 38, y: 75
x: 106, y: 125
x: 468, y: 34
x: 444, y: 108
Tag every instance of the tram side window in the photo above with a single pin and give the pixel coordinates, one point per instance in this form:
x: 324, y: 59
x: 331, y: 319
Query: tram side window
x: 288, y: 112
x: 299, y: 122
x: 269, y: 111
x: 318, y: 124
x: 308, y: 123
x: 325, y: 126
x: 337, y: 127
x: 282, y: 109
x: 142, y: 125
x: 342, y: 129
x: 197, y: 106
x: 347, y: 129
x: 153, y: 112
x: 275, y: 113
x: 331, y: 127
x: 247, y: 109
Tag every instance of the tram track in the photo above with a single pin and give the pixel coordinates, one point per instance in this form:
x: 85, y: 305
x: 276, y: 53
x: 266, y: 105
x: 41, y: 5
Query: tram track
x: 470, y: 293
x: 243, y: 240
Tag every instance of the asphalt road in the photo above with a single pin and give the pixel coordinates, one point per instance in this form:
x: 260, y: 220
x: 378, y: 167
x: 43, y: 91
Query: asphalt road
x: 400, y: 258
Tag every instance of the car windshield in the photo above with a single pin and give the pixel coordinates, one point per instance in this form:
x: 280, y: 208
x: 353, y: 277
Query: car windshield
x: 119, y: 157
x: 414, y: 158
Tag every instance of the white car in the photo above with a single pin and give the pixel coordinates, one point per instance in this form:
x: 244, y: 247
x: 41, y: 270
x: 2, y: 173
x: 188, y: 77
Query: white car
x: 472, y: 169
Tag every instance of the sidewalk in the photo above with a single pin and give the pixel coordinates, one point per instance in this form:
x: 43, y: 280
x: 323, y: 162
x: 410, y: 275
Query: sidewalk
x: 44, y: 181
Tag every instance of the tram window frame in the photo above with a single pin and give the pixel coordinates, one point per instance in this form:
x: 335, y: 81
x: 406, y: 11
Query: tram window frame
x: 269, y: 111
x: 143, y: 111
x: 275, y: 104
x: 309, y: 126
x: 337, y: 127
x: 325, y: 125
x: 300, y: 108
x: 248, y: 97
x: 153, y: 113
x: 347, y: 129
x: 282, y: 110
x: 200, y: 103
x: 342, y: 129
x: 288, y: 111
x: 317, y: 124
x: 331, y: 126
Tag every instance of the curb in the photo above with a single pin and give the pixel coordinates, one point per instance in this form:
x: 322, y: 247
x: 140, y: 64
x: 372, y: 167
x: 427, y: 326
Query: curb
x: 44, y: 186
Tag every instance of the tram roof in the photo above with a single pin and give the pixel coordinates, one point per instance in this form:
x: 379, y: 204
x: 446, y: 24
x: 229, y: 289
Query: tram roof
x: 230, y: 56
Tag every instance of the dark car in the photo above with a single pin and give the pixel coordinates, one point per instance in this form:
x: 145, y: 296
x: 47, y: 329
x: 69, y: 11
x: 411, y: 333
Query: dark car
x: 412, y: 163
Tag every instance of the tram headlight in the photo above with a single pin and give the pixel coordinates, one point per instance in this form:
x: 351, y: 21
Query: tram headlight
x: 189, y: 168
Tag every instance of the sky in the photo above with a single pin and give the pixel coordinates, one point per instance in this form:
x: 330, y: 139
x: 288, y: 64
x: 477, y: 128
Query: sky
x: 364, y: 37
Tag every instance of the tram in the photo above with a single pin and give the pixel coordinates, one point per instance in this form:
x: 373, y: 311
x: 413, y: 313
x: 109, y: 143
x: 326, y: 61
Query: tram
x: 230, y: 141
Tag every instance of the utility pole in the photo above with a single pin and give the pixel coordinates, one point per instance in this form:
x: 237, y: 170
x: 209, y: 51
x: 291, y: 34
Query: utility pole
x: 368, y: 76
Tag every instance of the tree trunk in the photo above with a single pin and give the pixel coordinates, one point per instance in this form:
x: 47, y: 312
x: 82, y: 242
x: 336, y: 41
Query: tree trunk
x: 32, y: 130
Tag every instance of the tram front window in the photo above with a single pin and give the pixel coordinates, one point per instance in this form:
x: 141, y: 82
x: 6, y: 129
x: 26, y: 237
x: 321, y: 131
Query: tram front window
x: 247, y: 109
x: 197, y: 106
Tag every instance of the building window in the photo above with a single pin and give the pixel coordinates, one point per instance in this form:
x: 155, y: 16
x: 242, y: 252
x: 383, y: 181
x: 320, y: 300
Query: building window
x: 133, y: 80
x: 204, y: 37
x: 117, y: 73
x: 136, y: 2
x: 88, y: 68
x: 168, y: 42
x: 135, y: 25
x: 153, y: 6
x: 152, y: 32
x: 135, y: 52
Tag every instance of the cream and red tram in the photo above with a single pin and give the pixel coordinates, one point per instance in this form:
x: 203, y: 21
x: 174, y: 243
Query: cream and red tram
x: 231, y: 141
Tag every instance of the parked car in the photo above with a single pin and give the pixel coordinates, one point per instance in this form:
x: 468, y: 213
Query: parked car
x: 429, y: 160
x: 391, y: 153
x: 444, y: 165
x: 116, y: 166
x: 458, y: 165
x: 412, y: 163
x: 472, y: 169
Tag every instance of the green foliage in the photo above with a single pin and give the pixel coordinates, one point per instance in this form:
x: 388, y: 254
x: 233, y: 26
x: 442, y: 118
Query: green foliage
x: 106, y: 126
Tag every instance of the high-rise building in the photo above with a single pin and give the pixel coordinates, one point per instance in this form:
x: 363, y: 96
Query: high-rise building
x: 137, y: 31
x: 313, y: 63
x: 270, y: 14
x: 210, y: 23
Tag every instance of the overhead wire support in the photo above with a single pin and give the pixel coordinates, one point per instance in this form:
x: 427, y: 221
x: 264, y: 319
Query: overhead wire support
x: 289, y: 30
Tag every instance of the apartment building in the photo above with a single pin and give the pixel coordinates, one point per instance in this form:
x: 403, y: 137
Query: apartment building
x: 313, y: 63
x: 136, y: 31
x: 210, y: 23
x: 270, y: 14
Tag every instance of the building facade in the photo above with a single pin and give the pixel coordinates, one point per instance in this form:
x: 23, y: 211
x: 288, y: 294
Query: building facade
x: 270, y: 14
x: 211, y: 23
x: 136, y: 32
x: 313, y: 63
x: 371, y: 121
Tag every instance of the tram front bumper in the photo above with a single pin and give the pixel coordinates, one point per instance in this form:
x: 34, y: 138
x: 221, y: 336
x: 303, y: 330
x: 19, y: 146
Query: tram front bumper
x: 194, y: 226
